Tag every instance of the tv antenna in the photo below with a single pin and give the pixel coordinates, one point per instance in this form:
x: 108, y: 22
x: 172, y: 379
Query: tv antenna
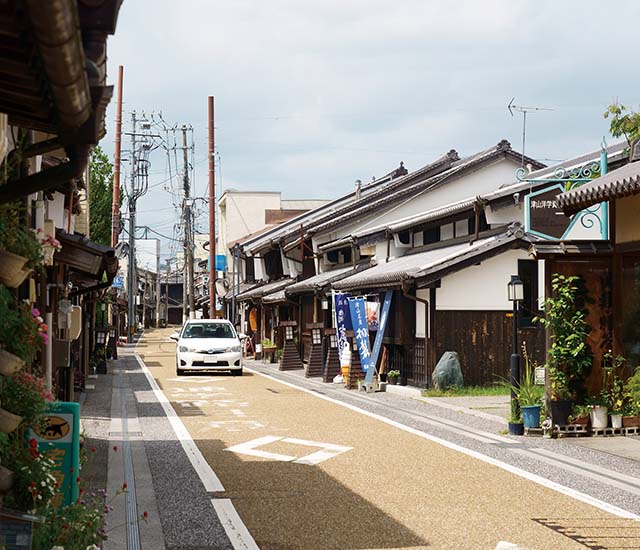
x: 524, y: 110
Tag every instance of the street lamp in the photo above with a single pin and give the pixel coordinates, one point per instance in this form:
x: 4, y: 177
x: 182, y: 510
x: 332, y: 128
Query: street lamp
x: 515, y: 293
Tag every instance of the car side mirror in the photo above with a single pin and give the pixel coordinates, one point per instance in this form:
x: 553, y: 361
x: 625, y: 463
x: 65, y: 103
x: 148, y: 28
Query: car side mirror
x: 242, y: 336
x: 175, y: 336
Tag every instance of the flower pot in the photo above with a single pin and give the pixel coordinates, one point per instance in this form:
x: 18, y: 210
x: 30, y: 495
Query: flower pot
x: 6, y: 479
x: 393, y: 380
x: 9, y: 363
x: 531, y: 416
x: 631, y: 421
x: 616, y: 421
x: 581, y: 420
x: 9, y: 421
x: 516, y: 428
x: 599, y: 417
x: 12, y: 271
x: 560, y: 411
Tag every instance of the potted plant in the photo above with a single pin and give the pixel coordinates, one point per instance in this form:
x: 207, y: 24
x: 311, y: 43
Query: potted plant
x: 392, y: 377
x: 613, y: 395
x: 631, y: 418
x: 570, y: 358
x: 20, y: 250
x: 516, y: 426
x: 20, y: 331
x: 580, y: 415
x: 528, y: 393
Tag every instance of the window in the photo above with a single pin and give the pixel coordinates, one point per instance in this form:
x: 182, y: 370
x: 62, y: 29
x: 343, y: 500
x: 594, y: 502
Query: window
x: 208, y: 330
x: 528, y: 273
x: 288, y: 333
x: 316, y: 336
x: 250, y: 272
x: 404, y: 237
x: 432, y: 235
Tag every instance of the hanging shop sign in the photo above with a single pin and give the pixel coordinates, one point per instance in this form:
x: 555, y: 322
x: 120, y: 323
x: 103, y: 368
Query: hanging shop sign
x: 358, y: 311
x: 544, y: 217
x: 343, y: 324
x: 373, y: 315
x: 377, y: 344
x: 58, y: 439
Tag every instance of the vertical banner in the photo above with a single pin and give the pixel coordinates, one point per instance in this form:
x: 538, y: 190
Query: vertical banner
x: 59, y: 440
x: 377, y: 344
x: 373, y: 315
x: 343, y: 324
x: 358, y: 310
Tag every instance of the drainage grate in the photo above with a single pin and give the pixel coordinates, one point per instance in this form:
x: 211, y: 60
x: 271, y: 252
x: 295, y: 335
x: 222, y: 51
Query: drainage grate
x: 121, y: 434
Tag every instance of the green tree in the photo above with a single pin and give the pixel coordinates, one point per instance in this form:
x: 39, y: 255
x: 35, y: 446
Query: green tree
x: 624, y: 122
x: 100, y: 196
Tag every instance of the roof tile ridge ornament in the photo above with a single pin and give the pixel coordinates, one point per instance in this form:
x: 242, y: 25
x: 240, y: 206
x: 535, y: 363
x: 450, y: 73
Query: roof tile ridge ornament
x: 400, y: 171
x: 503, y: 145
x: 452, y: 155
x: 515, y: 229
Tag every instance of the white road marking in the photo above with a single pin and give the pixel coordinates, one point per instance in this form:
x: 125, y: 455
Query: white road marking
x: 233, y: 525
x: 327, y: 450
x: 235, y: 528
x: 236, y: 425
x: 573, y: 493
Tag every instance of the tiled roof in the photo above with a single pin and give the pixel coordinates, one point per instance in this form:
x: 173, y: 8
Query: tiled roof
x: 616, y: 184
x: 319, y: 281
x: 424, y: 264
x: 262, y: 290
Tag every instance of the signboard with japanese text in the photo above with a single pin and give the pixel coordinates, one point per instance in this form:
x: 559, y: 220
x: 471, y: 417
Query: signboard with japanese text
x: 544, y: 217
x: 59, y: 440
x: 358, y: 310
x: 343, y: 324
x: 377, y: 343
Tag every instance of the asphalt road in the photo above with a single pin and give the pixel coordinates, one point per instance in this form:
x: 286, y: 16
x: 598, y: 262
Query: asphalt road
x: 307, y: 473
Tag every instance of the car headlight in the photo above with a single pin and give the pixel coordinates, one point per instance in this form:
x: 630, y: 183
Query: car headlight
x: 184, y: 349
x: 233, y: 349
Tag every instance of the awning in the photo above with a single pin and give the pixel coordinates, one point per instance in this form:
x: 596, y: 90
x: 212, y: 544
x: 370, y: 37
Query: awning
x: 424, y: 268
x: 564, y: 248
x: 318, y: 282
x: 618, y: 183
x: 259, y: 291
x: 278, y: 297
x: 93, y: 266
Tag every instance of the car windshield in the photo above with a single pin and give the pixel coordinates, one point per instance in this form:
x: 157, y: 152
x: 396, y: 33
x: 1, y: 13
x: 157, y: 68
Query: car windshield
x: 208, y: 330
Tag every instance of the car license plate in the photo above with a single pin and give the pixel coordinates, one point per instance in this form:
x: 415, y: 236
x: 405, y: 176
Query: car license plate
x: 211, y: 360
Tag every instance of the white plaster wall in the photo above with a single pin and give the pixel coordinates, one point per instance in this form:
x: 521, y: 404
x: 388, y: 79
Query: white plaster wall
x: 505, y: 215
x: 421, y: 313
x: 480, y: 287
x: 242, y: 214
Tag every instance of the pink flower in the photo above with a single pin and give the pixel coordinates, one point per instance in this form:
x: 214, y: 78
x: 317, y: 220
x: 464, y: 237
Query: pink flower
x: 35, y: 312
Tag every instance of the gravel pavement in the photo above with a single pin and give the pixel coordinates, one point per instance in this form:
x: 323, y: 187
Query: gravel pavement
x: 308, y: 473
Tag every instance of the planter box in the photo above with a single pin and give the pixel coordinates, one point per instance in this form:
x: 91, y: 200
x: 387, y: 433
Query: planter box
x: 9, y: 363
x: 631, y: 421
x: 12, y: 273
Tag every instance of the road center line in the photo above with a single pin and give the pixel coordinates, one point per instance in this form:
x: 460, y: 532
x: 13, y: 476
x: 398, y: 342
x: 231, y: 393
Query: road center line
x: 615, y: 510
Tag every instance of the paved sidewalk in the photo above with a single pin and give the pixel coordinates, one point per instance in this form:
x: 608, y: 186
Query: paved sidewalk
x: 123, y: 412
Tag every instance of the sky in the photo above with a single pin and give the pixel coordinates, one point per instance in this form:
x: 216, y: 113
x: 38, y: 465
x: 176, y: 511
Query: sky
x: 313, y: 95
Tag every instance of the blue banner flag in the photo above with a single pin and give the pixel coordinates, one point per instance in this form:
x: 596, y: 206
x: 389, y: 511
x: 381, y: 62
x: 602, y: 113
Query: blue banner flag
x: 377, y: 344
x: 358, y: 310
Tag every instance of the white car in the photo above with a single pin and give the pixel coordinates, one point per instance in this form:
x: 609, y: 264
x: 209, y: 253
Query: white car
x: 208, y: 344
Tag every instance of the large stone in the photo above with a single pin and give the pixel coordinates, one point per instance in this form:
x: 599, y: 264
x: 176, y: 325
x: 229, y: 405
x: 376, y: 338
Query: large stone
x: 447, y: 372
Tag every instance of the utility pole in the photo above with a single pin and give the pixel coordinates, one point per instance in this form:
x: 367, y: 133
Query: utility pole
x: 212, y: 214
x: 115, y: 204
x: 132, y: 282
x: 188, y: 235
